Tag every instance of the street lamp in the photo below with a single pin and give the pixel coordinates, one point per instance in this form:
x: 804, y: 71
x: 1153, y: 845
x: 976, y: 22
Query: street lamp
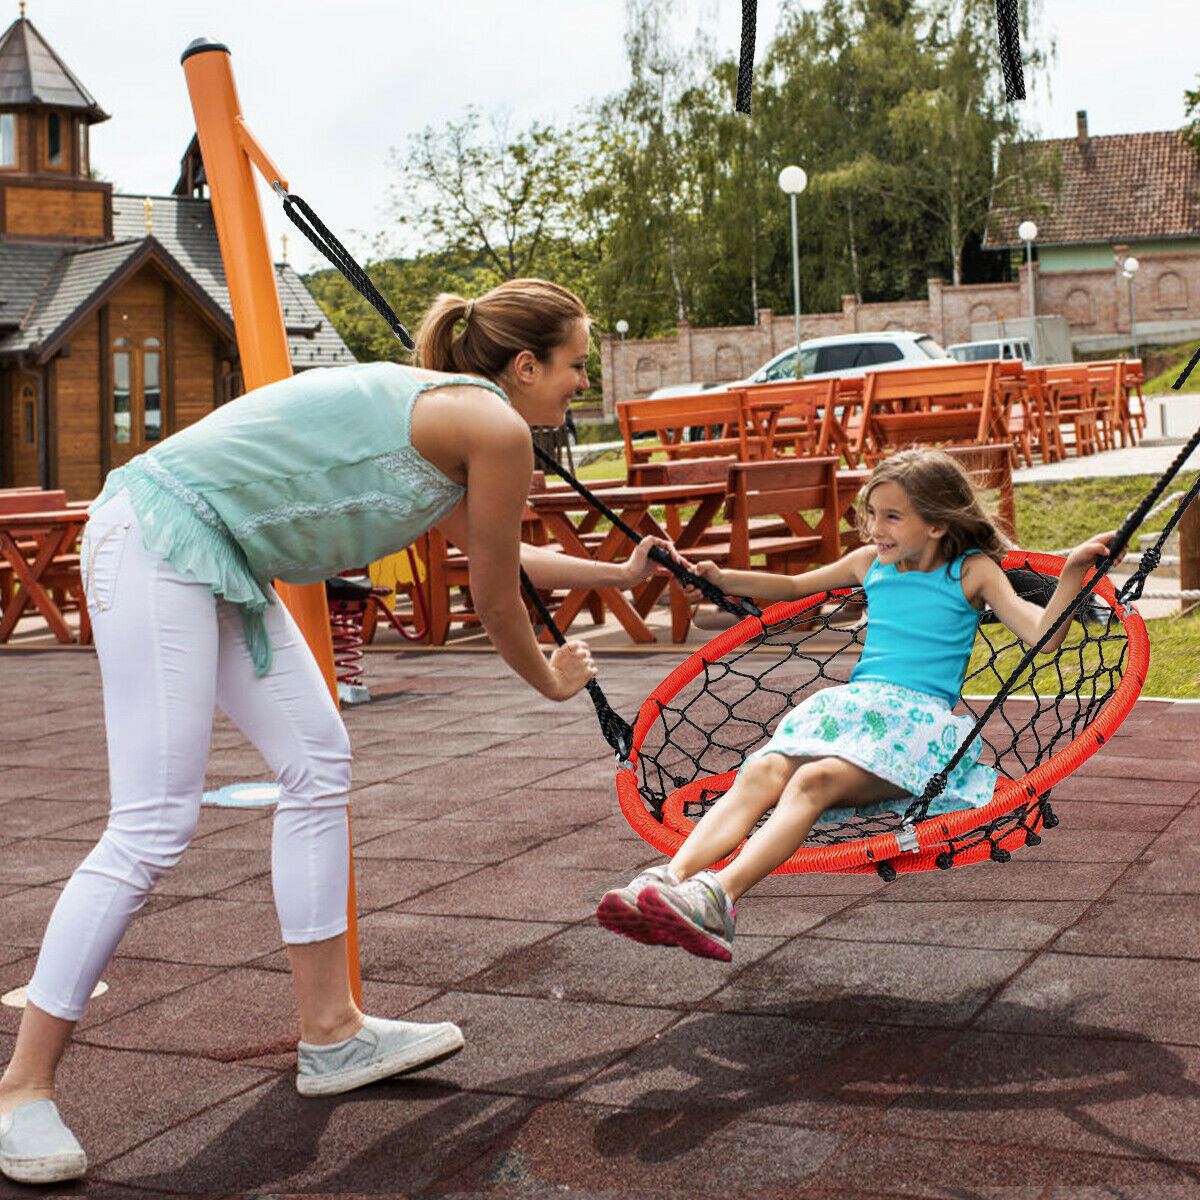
x: 622, y: 329
x: 1129, y: 269
x: 1027, y: 231
x: 793, y: 180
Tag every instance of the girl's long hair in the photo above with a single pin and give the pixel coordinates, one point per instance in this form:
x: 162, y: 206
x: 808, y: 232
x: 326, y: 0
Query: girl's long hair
x: 519, y: 314
x: 941, y: 493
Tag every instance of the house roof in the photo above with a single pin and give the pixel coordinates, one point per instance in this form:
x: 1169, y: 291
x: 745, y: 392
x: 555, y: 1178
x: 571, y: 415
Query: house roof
x: 185, y: 227
x: 23, y: 269
x: 46, y: 289
x: 1119, y: 188
x: 32, y: 74
x: 79, y: 279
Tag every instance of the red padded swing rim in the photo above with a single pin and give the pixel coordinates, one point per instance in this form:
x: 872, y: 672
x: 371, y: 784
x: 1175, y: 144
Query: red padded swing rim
x: 863, y: 855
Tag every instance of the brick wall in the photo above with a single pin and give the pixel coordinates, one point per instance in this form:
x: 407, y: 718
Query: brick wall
x: 1095, y: 303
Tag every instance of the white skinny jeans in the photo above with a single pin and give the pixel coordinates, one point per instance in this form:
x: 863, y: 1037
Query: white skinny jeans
x: 169, y: 650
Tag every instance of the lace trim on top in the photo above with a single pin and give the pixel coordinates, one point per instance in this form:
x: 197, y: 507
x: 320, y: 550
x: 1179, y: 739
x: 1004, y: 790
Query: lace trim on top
x: 292, y: 511
x: 408, y: 465
x: 165, y: 480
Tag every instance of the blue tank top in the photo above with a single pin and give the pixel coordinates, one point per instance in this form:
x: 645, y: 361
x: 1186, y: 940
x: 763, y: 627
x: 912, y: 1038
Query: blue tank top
x: 920, y: 629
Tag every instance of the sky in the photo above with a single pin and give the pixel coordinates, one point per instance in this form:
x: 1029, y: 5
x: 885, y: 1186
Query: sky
x: 331, y: 87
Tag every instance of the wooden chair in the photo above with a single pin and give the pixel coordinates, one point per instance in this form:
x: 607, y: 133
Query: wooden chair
x: 1112, y: 415
x: 1132, y: 377
x: 1072, y: 396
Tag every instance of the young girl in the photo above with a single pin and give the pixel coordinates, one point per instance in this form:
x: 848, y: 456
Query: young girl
x: 296, y: 481
x: 931, y: 562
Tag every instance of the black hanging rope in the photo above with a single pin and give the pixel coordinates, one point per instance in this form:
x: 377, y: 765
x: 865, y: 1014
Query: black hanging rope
x: 1186, y: 371
x: 736, y: 606
x: 1008, y: 32
x: 312, y: 227
x: 617, y: 732
x: 745, y: 76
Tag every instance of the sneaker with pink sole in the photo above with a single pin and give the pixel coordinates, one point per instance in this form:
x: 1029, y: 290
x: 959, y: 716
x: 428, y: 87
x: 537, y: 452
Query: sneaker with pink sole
x: 619, y: 910
x: 696, y: 915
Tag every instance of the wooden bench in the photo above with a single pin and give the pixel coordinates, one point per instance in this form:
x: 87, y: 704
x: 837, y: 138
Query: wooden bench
x: 785, y: 490
x: 990, y: 468
x: 669, y: 420
x: 801, y: 416
x: 955, y: 404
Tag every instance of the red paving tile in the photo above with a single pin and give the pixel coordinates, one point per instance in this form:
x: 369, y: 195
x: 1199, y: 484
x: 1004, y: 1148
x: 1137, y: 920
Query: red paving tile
x: 1011, y: 1032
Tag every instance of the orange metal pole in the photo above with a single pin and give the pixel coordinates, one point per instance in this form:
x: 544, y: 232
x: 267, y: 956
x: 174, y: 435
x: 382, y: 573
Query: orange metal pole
x: 229, y: 151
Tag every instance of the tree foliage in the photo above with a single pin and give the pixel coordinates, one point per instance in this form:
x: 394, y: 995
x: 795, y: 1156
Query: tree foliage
x: 660, y: 203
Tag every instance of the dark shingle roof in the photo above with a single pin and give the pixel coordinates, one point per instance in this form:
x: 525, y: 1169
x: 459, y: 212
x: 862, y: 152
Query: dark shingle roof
x: 185, y: 227
x: 31, y: 73
x: 43, y: 287
x: 23, y: 270
x: 1125, y: 187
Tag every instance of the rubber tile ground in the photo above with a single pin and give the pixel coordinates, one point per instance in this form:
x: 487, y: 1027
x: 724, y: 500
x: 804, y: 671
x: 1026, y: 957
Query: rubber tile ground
x: 1017, y: 1032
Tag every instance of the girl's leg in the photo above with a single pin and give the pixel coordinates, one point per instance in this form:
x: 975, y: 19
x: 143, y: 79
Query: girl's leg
x: 156, y: 639
x: 818, y: 784
x: 759, y: 785
x: 292, y: 719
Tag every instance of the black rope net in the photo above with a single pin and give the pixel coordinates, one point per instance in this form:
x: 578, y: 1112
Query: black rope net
x: 693, y: 742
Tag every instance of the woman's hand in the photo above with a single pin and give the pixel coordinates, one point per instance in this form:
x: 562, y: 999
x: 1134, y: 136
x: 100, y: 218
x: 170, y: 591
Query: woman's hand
x: 572, y: 666
x: 706, y: 570
x: 1088, y: 554
x: 639, y: 566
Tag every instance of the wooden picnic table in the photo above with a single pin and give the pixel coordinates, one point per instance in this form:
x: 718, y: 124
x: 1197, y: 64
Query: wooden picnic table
x: 29, y: 543
x: 568, y: 519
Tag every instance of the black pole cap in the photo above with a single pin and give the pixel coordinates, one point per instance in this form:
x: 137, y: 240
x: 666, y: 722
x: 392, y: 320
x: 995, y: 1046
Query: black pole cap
x: 200, y: 45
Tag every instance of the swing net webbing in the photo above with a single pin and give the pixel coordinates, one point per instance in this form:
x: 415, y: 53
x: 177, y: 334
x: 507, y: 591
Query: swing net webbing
x: 698, y: 725
x: 696, y: 728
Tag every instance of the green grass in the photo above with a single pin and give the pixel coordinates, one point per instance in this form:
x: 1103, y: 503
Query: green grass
x: 1053, y: 516
x: 1164, y: 380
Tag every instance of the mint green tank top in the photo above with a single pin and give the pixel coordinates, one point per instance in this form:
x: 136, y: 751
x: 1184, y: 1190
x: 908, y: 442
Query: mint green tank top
x: 296, y: 481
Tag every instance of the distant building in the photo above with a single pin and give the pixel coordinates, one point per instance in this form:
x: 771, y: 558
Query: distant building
x: 115, y: 324
x: 1103, y: 199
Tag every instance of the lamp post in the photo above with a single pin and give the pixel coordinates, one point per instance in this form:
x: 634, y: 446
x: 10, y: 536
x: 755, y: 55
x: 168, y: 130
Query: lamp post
x: 1129, y: 269
x: 793, y: 180
x: 1027, y: 231
x: 622, y: 329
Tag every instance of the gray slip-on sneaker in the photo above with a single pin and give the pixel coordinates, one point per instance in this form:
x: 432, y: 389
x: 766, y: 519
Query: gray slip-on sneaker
x: 37, y: 1147
x: 380, y: 1049
x: 619, y: 910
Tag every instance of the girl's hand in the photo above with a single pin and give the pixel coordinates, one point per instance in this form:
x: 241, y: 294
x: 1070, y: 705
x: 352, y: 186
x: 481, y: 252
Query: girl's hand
x: 638, y: 566
x: 572, y: 667
x: 706, y: 570
x: 1087, y: 554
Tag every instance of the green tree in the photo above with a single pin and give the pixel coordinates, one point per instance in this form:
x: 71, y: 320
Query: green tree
x: 478, y: 190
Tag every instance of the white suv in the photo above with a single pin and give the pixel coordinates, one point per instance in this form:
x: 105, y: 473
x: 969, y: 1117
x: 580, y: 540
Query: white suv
x: 850, y: 355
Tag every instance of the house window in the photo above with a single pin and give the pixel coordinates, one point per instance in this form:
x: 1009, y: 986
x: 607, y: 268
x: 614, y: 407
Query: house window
x: 8, y: 140
x: 84, y: 166
x: 29, y: 414
x: 151, y: 391
x: 54, y: 141
x: 122, y: 393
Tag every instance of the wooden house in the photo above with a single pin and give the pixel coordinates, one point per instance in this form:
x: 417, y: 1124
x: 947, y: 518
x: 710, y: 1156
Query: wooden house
x: 115, y: 324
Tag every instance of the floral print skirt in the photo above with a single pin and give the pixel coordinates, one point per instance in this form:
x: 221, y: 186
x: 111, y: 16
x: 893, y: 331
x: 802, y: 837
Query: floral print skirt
x: 896, y: 733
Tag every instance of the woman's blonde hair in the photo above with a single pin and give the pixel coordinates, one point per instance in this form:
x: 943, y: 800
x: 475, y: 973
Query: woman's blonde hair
x: 941, y: 493
x: 519, y: 314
